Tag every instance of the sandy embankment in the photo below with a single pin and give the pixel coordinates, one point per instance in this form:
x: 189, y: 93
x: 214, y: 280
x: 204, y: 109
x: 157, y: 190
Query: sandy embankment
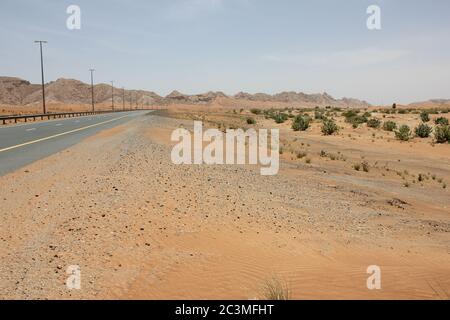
x: 140, y: 227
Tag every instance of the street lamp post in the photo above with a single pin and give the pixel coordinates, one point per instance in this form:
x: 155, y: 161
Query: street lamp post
x: 42, y: 74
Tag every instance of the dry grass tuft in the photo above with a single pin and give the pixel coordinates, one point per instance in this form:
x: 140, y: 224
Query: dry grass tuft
x: 275, y: 290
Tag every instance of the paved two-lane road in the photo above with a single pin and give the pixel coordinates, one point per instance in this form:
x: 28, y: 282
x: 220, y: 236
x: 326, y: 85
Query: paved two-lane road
x: 23, y: 144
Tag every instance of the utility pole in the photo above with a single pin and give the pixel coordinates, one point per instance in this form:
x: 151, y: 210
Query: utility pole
x: 92, y: 88
x: 123, y: 98
x: 42, y: 74
x: 112, y: 94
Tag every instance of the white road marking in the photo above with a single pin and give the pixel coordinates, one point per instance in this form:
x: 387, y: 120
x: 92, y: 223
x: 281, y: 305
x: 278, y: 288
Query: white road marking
x: 31, y: 129
x: 58, y: 124
x: 60, y: 134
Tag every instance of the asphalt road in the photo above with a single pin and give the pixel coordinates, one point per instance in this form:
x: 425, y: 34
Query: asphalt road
x: 23, y: 144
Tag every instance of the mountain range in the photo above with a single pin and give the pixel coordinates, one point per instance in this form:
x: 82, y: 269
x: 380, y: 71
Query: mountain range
x: 18, y: 92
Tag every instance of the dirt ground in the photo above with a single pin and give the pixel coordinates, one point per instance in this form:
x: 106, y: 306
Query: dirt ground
x: 141, y: 227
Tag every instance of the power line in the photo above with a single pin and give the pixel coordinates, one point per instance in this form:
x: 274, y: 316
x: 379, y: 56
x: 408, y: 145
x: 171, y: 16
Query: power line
x: 42, y: 74
x: 123, y: 98
x: 112, y: 94
x: 92, y: 88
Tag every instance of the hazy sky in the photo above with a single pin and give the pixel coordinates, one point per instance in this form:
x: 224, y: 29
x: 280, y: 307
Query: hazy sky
x: 237, y: 45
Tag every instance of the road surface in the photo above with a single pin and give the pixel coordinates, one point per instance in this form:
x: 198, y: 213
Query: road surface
x: 23, y: 144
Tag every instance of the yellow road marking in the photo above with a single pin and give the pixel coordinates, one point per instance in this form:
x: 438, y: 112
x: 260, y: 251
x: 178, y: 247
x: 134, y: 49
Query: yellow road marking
x: 60, y: 134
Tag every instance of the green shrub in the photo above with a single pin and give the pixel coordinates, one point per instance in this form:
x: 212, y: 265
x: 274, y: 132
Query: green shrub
x: 389, y: 126
x: 301, y: 123
x: 329, y: 127
x: 356, y: 120
x: 251, y: 120
x: 255, y: 111
x: 280, y: 117
x: 424, y: 116
x: 373, y: 123
x: 318, y: 115
x: 350, y: 114
x: 423, y: 130
x: 442, y: 134
x: 442, y: 121
x: 403, y: 133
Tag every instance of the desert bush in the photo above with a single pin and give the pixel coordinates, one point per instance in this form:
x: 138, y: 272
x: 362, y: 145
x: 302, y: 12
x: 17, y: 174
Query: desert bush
x: 251, y: 120
x: 318, y: 115
x: 403, y: 133
x: 389, y: 126
x: 350, y: 113
x: 424, y: 116
x: 255, y: 111
x: 329, y: 127
x: 301, y: 123
x: 356, y: 119
x: 280, y: 117
x: 423, y: 130
x: 441, y: 121
x: 357, y: 166
x: 442, y: 134
x: 373, y: 123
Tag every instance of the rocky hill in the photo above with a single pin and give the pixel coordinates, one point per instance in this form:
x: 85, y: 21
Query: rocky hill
x: 15, y: 91
x: 433, y: 103
x: 300, y: 98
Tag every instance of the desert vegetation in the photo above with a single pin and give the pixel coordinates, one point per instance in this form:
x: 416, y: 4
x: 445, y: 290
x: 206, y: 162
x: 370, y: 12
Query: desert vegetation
x: 274, y: 289
x: 307, y: 134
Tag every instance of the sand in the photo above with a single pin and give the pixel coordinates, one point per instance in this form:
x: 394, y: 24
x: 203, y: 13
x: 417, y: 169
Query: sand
x: 141, y: 227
